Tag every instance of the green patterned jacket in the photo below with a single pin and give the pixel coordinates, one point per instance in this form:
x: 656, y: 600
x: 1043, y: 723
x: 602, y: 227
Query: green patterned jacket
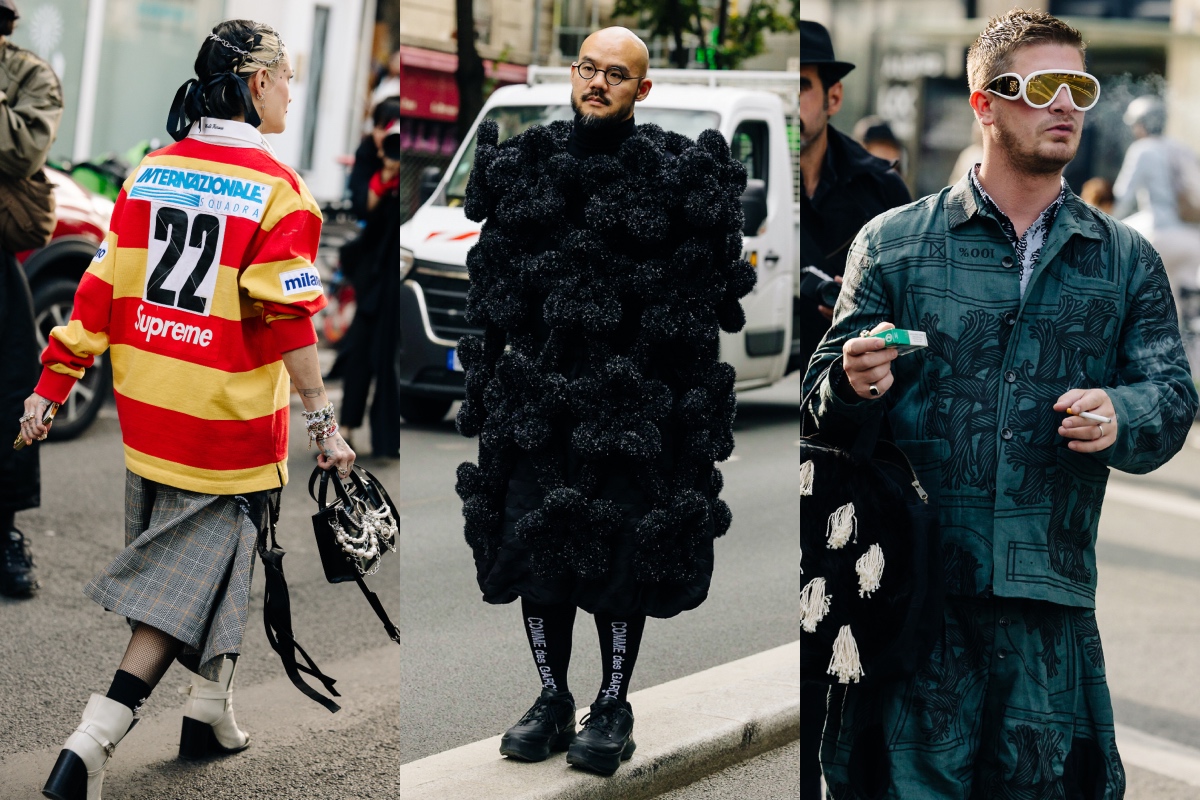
x: 974, y: 410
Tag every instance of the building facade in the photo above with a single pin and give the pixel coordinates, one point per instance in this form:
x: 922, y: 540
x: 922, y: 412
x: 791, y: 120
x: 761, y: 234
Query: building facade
x: 121, y: 62
x: 911, y: 70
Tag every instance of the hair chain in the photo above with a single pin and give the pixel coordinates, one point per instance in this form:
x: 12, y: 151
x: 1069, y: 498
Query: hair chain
x: 245, y: 55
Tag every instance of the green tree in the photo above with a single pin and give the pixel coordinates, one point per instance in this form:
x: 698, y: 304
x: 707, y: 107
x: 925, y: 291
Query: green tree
x: 667, y: 18
x: 732, y: 37
x: 740, y: 36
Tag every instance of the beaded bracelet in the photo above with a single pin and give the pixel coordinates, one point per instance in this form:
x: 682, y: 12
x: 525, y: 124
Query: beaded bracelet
x: 320, y: 423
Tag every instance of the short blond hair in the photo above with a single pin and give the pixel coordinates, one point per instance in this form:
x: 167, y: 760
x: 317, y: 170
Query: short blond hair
x: 992, y: 53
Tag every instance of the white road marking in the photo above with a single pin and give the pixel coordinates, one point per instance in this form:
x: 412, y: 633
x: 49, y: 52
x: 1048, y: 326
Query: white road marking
x: 1153, y: 499
x: 1141, y: 749
x: 1163, y: 756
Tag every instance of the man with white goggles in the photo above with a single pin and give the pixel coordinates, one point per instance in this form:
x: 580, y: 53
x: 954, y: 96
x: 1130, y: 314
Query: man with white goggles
x: 1038, y: 89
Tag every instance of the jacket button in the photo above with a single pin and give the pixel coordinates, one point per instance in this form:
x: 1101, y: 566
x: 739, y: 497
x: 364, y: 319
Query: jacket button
x: 1009, y: 317
x: 1006, y: 434
x: 1007, y: 262
x: 1002, y: 654
x: 1004, y: 622
x: 1010, y: 376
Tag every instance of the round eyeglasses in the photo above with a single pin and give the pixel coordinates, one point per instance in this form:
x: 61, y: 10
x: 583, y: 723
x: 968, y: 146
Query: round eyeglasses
x: 615, y: 76
x: 1038, y: 89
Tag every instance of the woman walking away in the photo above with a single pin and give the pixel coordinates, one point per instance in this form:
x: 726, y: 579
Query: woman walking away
x: 203, y: 291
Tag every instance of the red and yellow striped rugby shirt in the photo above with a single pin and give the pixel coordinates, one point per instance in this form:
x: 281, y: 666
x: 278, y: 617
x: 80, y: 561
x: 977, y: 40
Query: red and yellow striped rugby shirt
x: 205, y: 277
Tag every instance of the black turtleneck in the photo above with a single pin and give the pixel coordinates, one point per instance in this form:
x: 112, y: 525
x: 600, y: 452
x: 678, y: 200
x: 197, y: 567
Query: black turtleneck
x: 587, y: 141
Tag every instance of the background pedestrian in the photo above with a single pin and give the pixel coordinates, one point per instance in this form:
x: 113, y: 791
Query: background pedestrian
x: 844, y: 187
x: 31, y: 106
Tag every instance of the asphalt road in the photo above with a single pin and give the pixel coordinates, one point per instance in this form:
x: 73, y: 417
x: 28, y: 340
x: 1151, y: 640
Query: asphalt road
x: 466, y: 669
x: 1149, y: 575
x: 59, y: 647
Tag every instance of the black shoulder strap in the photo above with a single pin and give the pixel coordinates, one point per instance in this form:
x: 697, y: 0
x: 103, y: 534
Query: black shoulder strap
x: 373, y: 599
x: 372, y: 486
x: 277, y: 615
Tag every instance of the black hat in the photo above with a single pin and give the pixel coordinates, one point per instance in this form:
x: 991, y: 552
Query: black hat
x: 9, y: 5
x: 817, y: 48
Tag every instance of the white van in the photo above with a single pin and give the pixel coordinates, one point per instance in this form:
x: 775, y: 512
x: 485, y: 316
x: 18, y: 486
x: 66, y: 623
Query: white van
x: 751, y: 109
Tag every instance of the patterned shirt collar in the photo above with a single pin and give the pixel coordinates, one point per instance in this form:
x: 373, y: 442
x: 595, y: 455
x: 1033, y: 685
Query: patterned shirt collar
x: 1028, y: 245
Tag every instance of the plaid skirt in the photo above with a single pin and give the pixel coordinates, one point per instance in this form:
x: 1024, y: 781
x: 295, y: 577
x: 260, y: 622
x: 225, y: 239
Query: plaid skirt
x: 186, y: 566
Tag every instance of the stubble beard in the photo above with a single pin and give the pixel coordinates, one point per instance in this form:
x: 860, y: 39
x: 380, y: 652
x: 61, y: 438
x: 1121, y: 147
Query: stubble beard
x: 809, y: 137
x: 1027, y: 159
x: 599, y: 123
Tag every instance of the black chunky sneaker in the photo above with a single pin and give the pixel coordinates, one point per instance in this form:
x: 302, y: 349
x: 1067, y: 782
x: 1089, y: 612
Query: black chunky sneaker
x: 606, y: 739
x: 549, y: 726
x: 16, y: 565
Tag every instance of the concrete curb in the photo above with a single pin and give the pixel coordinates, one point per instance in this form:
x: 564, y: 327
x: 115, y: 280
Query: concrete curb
x: 685, y: 729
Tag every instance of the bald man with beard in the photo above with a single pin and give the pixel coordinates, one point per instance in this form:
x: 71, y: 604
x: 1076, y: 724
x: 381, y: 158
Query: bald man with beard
x: 608, y: 263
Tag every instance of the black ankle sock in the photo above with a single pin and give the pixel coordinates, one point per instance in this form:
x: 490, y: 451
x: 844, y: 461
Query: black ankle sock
x: 128, y: 690
x: 549, y: 630
x: 620, y: 640
x: 7, y: 521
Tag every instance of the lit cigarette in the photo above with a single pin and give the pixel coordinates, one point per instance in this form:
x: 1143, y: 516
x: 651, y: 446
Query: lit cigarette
x: 1089, y: 415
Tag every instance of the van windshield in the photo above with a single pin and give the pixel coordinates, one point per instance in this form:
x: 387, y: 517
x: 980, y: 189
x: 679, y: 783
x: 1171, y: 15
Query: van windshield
x: 515, y: 119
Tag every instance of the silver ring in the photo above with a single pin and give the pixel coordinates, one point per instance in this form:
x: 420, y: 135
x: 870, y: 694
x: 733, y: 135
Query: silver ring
x: 42, y: 438
x: 27, y: 417
x: 874, y: 390
x: 1101, y: 427
x: 343, y: 472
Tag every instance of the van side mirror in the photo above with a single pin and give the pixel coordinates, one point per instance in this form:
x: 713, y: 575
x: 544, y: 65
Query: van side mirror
x: 430, y: 178
x: 754, y: 206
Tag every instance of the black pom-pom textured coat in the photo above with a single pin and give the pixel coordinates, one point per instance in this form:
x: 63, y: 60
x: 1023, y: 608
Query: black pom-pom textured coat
x: 596, y: 391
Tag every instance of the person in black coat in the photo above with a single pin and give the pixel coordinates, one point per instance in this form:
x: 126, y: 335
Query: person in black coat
x: 844, y: 188
x: 372, y: 266
x: 31, y: 109
x: 368, y: 158
x: 608, y: 263
x: 844, y: 185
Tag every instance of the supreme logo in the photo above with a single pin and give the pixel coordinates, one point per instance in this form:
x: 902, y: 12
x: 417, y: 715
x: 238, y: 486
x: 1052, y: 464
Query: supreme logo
x: 298, y: 281
x: 178, y: 331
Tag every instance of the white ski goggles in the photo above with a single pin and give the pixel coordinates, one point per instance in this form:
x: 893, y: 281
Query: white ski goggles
x: 1038, y: 89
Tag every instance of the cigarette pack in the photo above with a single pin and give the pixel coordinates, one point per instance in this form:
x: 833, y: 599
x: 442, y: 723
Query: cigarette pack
x: 904, y: 341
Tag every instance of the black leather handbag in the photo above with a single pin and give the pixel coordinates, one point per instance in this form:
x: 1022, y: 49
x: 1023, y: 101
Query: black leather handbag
x: 353, y: 530
x: 871, y: 599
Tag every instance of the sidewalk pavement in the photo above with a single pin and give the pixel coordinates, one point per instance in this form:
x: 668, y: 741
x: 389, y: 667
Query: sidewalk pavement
x: 684, y: 729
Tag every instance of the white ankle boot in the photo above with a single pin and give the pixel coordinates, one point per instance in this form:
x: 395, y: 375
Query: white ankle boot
x: 79, y: 772
x: 208, y: 725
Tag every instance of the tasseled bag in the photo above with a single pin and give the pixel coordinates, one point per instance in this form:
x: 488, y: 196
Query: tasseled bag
x: 871, y: 591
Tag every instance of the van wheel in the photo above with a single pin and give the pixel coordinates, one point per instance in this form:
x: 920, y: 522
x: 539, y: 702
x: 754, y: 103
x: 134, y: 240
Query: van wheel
x: 418, y: 410
x: 52, y: 304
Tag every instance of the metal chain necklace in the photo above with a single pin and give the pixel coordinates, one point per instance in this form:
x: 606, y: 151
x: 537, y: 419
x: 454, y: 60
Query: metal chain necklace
x: 376, y: 527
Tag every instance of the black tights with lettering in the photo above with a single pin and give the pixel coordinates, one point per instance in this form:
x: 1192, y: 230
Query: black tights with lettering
x: 549, y: 628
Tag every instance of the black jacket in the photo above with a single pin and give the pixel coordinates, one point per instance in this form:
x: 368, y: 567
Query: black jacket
x: 596, y: 389
x: 855, y: 187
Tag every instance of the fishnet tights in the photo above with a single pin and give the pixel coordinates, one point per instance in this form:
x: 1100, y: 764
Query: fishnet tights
x: 149, y: 654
